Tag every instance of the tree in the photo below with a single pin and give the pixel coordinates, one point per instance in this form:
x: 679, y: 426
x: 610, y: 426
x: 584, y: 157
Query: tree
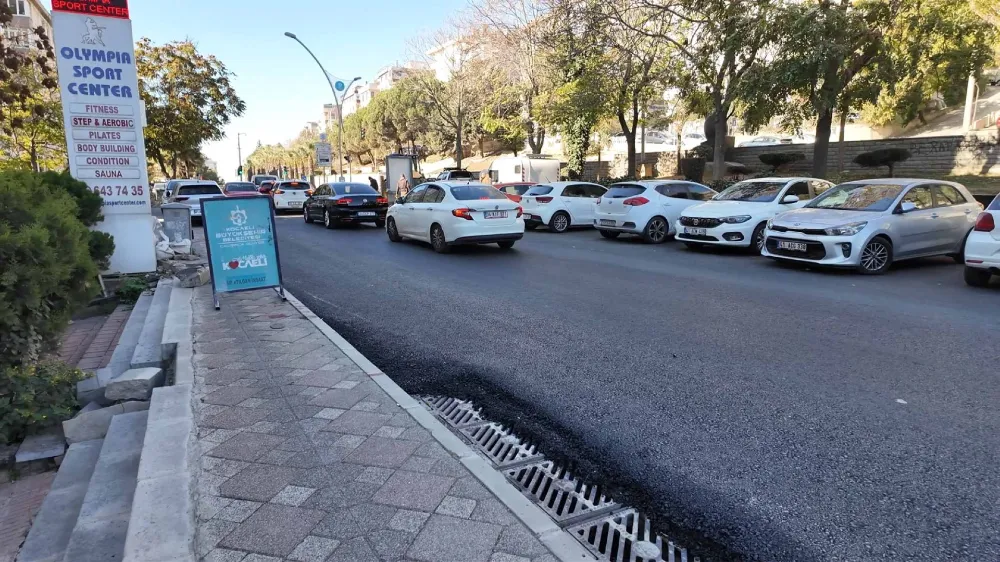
x: 720, y: 42
x: 933, y: 46
x: 31, y: 135
x: 189, y: 100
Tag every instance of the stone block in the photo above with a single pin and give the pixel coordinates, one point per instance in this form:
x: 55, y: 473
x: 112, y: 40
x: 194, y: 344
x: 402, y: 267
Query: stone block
x: 90, y: 390
x: 162, y: 523
x: 45, y: 445
x: 135, y: 384
x: 93, y: 423
x: 194, y: 277
x: 149, y: 348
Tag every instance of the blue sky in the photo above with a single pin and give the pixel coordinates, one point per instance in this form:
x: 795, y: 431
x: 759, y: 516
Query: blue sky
x: 282, y: 87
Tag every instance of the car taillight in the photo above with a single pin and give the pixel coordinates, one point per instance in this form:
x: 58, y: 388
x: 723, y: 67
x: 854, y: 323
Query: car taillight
x: 635, y: 201
x: 277, y: 191
x: 463, y: 214
x: 985, y: 223
x: 381, y: 201
x: 543, y: 199
x: 520, y: 211
x: 343, y: 202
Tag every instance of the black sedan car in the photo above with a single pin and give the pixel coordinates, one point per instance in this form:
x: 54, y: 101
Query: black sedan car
x: 345, y: 203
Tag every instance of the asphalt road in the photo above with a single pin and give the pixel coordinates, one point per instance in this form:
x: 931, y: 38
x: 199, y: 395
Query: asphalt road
x: 756, y: 411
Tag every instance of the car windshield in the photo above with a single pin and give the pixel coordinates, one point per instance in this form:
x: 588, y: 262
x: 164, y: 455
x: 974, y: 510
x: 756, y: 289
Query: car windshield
x: 752, y: 192
x: 460, y: 174
x: 539, y: 190
x: 472, y: 192
x: 200, y: 189
x: 353, y: 189
x: 240, y: 186
x: 517, y: 189
x: 261, y: 179
x: 293, y: 185
x: 623, y: 191
x: 858, y: 197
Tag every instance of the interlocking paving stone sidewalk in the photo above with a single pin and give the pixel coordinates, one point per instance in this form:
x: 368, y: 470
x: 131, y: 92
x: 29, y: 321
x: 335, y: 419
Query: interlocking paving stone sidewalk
x: 305, y: 458
x: 19, y: 502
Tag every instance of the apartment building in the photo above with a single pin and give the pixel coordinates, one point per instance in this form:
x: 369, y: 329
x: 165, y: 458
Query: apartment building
x: 28, y: 15
x: 360, y: 95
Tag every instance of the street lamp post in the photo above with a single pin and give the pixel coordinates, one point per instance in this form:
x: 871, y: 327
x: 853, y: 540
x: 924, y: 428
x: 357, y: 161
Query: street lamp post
x: 239, y: 153
x: 337, y: 100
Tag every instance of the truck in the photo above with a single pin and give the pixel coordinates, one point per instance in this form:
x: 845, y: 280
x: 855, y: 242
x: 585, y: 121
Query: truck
x: 537, y: 168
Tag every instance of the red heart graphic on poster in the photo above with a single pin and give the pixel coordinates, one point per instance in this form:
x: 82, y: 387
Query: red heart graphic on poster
x: 234, y: 264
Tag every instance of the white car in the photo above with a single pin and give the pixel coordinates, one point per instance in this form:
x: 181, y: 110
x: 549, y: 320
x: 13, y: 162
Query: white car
x: 454, y: 213
x: 869, y: 224
x: 191, y: 194
x: 739, y: 215
x: 560, y: 205
x: 290, y: 195
x: 766, y: 140
x: 692, y: 140
x: 982, y: 248
x: 647, y: 208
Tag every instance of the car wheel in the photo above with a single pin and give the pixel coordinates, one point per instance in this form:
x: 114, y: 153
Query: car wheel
x: 656, y: 231
x: 328, y: 221
x: 975, y: 277
x: 694, y: 245
x: 610, y: 234
x: 506, y: 244
x: 305, y: 215
x: 438, y: 241
x: 757, y: 240
x: 876, y: 257
x: 559, y: 222
x: 390, y: 230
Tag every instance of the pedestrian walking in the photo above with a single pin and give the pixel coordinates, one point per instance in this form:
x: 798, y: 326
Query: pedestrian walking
x: 402, y: 186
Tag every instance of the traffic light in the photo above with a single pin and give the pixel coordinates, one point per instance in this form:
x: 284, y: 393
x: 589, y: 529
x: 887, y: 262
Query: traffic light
x: 239, y: 171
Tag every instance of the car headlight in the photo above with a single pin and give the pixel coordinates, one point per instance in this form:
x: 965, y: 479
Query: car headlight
x: 736, y: 219
x: 770, y: 223
x: 846, y: 229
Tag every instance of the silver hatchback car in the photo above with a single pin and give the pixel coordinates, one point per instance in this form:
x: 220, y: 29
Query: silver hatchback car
x: 869, y: 224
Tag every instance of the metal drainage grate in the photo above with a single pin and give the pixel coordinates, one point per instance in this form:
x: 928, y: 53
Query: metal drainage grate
x: 458, y: 413
x: 561, y: 495
x: 626, y: 537
x: 503, y: 448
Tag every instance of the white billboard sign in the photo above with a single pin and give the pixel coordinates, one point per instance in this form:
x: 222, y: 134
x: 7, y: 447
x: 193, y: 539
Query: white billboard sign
x: 324, y: 155
x: 95, y: 57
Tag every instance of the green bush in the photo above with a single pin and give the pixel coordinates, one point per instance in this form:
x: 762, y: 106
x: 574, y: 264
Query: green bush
x: 47, y: 273
x: 130, y: 289
x: 778, y: 159
x: 887, y: 157
x: 34, y: 397
x: 88, y: 203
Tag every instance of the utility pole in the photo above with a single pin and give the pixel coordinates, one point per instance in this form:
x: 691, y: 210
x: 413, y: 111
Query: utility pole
x: 338, y: 100
x: 239, y: 153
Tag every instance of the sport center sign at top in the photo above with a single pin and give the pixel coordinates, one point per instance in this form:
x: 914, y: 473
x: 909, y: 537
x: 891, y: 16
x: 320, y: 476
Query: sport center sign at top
x: 101, y: 105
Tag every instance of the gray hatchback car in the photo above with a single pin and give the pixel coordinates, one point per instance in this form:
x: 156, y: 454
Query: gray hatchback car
x: 869, y: 224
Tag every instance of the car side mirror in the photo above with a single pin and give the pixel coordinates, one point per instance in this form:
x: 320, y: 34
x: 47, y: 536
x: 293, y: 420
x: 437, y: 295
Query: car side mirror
x: 790, y: 199
x: 907, y: 206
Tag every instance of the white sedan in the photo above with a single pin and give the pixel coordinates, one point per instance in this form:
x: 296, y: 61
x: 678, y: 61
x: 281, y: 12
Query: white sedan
x: 738, y: 216
x: 647, y: 208
x: 454, y: 213
x: 561, y: 205
x: 982, y: 247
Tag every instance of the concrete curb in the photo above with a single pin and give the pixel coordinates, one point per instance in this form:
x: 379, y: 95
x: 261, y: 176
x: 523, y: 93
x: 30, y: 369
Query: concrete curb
x: 558, y: 541
x: 162, y: 525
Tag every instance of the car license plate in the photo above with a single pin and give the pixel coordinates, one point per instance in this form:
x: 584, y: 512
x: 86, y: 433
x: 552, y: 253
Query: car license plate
x: 607, y: 222
x: 295, y: 203
x: 793, y: 246
x: 695, y: 231
x: 366, y: 213
x: 495, y: 214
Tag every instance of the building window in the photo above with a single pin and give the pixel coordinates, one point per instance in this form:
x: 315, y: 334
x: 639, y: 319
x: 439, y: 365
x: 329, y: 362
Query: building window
x: 19, y: 7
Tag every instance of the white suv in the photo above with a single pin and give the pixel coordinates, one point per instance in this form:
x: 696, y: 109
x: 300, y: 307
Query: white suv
x: 560, y: 205
x: 290, y: 194
x: 738, y: 216
x: 192, y: 193
x: 647, y: 208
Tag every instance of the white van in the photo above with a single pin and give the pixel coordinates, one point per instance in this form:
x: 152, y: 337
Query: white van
x: 530, y: 168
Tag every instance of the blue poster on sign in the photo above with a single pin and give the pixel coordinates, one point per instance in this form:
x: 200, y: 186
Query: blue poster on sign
x: 241, y: 241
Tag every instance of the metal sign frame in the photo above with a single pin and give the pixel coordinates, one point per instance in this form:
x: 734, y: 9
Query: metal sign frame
x: 280, y: 287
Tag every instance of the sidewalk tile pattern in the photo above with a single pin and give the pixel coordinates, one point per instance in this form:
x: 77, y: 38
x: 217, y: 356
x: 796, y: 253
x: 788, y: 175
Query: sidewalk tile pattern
x: 104, y: 340
x: 19, y: 502
x: 304, y: 458
x: 78, y: 337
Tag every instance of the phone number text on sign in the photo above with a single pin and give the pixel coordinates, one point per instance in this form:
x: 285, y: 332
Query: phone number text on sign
x: 119, y: 190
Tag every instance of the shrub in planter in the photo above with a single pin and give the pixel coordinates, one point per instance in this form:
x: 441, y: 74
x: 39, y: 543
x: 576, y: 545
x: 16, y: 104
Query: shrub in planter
x: 47, y: 273
x: 88, y: 203
x: 887, y: 157
x: 778, y: 160
x: 34, y: 397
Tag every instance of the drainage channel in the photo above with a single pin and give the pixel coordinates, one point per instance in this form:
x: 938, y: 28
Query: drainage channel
x: 609, y: 530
